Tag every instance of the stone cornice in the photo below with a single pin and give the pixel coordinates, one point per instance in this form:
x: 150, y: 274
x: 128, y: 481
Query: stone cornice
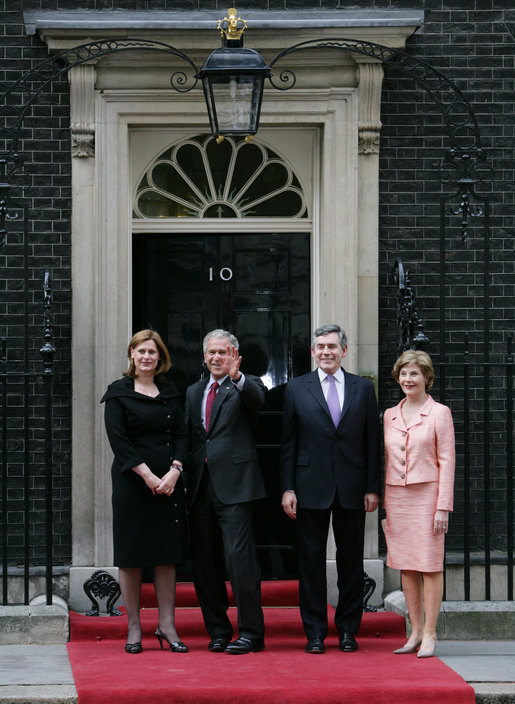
x: 267, y: 29
x: 80, y: 20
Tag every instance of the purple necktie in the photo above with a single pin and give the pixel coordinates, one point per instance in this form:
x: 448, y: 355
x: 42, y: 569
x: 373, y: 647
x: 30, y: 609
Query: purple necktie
x: 333, y: 401
x: 209, y: 402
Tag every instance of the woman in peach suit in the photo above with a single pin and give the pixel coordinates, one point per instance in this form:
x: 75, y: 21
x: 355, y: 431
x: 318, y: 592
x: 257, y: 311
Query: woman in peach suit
x: 420, y: 457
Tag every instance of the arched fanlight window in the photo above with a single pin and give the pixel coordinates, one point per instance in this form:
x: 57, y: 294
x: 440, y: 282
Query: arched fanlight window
x: 198, y: 178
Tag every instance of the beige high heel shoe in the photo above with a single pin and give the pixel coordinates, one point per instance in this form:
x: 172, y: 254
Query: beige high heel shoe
x: 429, y: 653
x: 406, y: 649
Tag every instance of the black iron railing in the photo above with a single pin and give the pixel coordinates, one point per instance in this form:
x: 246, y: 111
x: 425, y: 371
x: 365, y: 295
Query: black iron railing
x: 480, y: 395
x: 26, y: 463
x: 479, y: 391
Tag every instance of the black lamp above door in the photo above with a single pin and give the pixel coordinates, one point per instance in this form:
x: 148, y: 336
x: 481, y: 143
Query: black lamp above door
x: 233, y: 78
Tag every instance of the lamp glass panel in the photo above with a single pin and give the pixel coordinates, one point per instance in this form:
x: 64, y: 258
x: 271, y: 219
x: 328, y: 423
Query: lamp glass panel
x: 234, y: 102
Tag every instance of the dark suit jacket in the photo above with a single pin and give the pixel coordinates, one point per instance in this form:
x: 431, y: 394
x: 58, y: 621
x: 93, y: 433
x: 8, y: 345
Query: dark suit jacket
x: 318, y: 459
x: 230, y: 444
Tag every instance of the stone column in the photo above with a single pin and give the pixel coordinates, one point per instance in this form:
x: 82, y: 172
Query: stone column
x: 370, y: 76
x: 82, y: 108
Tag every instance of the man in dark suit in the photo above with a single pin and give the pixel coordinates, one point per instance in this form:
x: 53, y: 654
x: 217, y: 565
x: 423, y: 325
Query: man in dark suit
x: 330, y: 468
x: 224, y: 478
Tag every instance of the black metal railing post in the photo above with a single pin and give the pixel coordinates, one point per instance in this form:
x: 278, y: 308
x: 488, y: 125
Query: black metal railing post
x: 466, y: 469
x: 5, y: 539
x: 48, y: 351
x: 509, y: 465
x: 16, y: 390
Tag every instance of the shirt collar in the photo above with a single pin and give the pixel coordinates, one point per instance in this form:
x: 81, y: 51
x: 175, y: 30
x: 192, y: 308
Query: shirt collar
x: 338, y: 375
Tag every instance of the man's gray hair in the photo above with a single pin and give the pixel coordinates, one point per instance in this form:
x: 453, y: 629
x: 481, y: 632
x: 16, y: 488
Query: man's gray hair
x: 325, y: 330
x: 220, y: 333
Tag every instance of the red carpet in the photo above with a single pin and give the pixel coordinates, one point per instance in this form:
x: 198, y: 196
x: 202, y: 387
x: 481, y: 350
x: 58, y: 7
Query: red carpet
x: 280, y: 593
x: 283, y: 673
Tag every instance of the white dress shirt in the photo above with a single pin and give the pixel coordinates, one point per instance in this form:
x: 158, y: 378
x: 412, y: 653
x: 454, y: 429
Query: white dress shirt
x: 238, y: 385
x: 339, y: 379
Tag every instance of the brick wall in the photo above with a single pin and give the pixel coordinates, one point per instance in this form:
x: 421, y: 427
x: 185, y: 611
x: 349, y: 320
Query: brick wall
x: 38, y: 239
x: 471, y: 42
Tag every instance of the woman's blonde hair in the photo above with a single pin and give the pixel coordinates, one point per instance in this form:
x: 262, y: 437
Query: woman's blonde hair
x: 421, y: 359
x: 164, y: 363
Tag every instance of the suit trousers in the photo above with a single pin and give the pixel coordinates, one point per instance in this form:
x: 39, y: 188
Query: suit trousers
x: 349, y: 535
x: 222, y: 537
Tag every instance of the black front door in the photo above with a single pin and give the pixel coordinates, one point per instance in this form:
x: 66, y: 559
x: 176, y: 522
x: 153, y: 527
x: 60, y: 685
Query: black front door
x: 257, y: 287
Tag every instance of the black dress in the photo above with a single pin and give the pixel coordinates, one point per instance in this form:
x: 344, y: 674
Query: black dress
x: 148, y: 530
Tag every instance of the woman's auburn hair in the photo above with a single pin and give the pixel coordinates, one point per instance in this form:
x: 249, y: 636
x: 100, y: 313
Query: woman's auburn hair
x: 421, y: 359
x: 164, y: 363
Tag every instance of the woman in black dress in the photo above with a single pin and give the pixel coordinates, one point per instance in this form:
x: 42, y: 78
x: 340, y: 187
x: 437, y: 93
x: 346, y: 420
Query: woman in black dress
x: 145, y: 426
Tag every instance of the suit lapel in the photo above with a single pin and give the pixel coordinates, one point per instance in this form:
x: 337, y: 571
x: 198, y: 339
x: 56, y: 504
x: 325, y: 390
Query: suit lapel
x: 315, y: 388
x: 348, y: 394
x: 397, y: 419
x: 196, y: 405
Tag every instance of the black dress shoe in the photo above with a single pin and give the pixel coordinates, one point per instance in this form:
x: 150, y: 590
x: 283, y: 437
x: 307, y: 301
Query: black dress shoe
x: 348, y: 642
x: 218, y: 644
x: 243, y: 645
x: 315, y: 646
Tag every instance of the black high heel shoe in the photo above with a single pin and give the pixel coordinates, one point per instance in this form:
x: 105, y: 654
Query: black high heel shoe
x: 176, y: 647
x: 133, y: 648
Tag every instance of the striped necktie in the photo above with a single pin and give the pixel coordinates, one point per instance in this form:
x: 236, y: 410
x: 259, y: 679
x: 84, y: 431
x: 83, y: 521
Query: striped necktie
x: 209, y: 402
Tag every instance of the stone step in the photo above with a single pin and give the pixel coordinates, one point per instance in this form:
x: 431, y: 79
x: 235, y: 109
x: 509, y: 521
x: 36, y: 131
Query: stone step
x: 465, y: 620
x: 493, y: 693
x: 38, y: 623
x: 39, y: 694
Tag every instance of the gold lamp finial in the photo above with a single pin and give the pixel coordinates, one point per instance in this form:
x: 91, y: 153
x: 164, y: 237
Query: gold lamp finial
x: 232, y: 26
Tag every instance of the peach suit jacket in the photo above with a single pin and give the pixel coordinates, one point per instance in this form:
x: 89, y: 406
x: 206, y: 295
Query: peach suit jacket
x: 423, y: 451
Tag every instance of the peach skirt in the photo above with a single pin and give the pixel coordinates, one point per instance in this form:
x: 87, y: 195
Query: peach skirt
x: 408, y: 528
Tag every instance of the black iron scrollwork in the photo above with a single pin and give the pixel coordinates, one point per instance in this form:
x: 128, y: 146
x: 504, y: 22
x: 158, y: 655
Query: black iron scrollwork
x: 409, y: 322
x: 369, y: 587
x: 468, y: 169
x: 459, y: 117
x: 21, y: 94
x: 466, y: 159
x: 102, y: 585
x: 29, y: 86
